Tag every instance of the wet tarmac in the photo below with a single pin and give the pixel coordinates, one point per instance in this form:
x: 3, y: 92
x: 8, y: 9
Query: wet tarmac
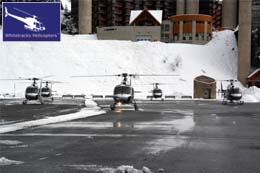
x: 174, y: 136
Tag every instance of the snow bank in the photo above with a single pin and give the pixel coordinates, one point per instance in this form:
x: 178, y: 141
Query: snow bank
x: 4, y: 161
x: 84, y: 55
x: 251, y: 94
x: 85, y: 112
x: 10, y: 142
x: 119, y: 169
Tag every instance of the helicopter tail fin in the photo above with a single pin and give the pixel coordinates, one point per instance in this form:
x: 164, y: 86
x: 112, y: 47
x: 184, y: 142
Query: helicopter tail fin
x: 6, y: 12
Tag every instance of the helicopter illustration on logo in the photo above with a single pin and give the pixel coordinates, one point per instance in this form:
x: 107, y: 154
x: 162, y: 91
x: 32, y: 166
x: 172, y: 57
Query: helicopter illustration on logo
x: 31, y: 23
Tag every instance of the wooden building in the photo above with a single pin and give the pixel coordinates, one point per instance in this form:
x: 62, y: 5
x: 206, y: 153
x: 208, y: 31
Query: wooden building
x: 204, y: 87
x: 254, y: 79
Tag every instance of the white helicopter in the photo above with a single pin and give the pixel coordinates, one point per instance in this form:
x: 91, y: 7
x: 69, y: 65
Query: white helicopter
x: 31, y: 23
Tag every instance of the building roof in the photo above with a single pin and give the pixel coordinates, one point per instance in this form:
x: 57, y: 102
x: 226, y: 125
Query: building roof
x: 157, y: 14
x: 252, y: 74
x: 205, y: 79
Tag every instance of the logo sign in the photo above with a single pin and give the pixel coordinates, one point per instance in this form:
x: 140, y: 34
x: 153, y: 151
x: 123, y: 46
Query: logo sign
x: 29, y: 21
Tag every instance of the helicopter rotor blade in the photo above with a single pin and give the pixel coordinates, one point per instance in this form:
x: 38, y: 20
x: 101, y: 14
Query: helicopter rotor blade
x: 17, y: 79
x: 93, y: 76
x: 51, y: 81
x: 34, y: 78
x: 24, y: 12
x: 228, y: 80
x: 125, y: 75
x: 154, y: 75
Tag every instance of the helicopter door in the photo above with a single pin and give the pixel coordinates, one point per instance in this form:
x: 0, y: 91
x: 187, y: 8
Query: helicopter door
x: 207, y: 93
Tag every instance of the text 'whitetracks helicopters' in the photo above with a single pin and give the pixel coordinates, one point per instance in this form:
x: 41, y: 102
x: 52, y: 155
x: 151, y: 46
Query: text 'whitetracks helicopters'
x: 124, y: 92
x: 232, y: 94
x: 31, y: 23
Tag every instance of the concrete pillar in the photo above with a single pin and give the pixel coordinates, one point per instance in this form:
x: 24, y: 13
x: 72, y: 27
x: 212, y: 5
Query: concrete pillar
x: 229, y: 13
x: 180, y: 7
x: 181, y: 31
x: 192, y: 6
x: 244, y: 40
x: 85, y: 16
x: 193, y: 31
x: 205, y: 30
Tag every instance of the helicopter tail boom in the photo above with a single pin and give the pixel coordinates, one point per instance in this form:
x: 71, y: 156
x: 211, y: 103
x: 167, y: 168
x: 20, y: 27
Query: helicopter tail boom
x: 6, y: 12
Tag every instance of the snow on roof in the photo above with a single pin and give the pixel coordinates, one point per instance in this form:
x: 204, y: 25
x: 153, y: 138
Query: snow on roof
x: 252, y: 74
x: 157, y: 14
x: 237, y: 28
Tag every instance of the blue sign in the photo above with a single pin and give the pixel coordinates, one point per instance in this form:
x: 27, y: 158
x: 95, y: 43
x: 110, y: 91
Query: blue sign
x: 28, y: 21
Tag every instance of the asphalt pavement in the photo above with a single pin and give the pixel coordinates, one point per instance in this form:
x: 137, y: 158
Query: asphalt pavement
x: 173, y: 136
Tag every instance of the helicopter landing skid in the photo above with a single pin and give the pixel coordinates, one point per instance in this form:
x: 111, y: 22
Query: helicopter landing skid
x: 115, y: 105
x: 154, y: 99
x: 239, y: 102
x: 25, y: 102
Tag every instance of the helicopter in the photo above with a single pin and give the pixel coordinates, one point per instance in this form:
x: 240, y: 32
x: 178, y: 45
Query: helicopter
x: 124, y: 92
x: 36, y: 93
x: 232, y: 94
x: 156, y: 91
x: 31, y: 23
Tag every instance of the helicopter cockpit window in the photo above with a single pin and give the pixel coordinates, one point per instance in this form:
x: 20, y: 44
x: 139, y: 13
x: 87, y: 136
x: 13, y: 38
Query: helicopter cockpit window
x: 32, y: 90
x: 37, y: 24
x: 122, y: 90
x: 127, y: 90
x: 157, y: 91
x: 236, y: 90
x: 45, y: 89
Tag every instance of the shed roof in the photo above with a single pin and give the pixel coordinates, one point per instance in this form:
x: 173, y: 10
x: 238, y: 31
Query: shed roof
x: 252, y: 74
x: 205, y: 79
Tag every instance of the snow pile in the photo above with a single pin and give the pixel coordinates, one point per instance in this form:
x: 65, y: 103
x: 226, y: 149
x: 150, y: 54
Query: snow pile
x: 84, y: 55
x: 251, y: 94
x: 4, y: 161
x: 119, y: 169
x: 131, y: 169
x: 10, y: 142
x: 85, y: 112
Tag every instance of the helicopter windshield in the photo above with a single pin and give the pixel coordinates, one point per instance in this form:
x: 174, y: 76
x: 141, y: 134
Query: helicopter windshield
x: 156, y: 90
x: 31, y: 90
x: 38, y: 25
x: 122, y: 90
x: 45, y: 89
x: 236, y: 90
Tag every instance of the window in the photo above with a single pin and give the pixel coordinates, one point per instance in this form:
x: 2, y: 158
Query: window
x: 110, y: 29
x: 167, y: 27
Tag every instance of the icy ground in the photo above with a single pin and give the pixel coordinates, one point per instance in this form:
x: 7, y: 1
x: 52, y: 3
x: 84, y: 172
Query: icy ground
x: 84, y: 55
x: 4, y: 161
x: 90, y: 110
